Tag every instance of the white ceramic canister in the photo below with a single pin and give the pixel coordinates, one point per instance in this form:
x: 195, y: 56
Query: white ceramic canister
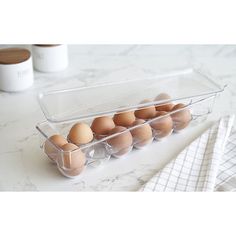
x: 16, y: 69
x: 50, y: 57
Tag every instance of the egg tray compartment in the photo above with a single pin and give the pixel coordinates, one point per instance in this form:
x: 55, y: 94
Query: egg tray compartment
x: 98, y: 151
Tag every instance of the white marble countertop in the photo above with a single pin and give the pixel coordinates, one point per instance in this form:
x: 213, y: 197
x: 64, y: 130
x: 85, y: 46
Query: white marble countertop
x: 23, y: 166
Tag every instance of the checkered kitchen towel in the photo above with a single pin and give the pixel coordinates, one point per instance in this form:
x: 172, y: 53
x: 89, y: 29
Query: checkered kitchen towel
x: 205, y: 165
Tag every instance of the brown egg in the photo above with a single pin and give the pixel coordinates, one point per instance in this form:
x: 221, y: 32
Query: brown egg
x: 122, y: 143
x: 146, y: 112
x: 182, y: 118
x: 163, y: 126
x: 164, y: 107
x: 125, y: 119
x: 102, y: 125
x: 141, y: 135
x: 72, y: 160
x: 52, y: 150
x: 80, y: 133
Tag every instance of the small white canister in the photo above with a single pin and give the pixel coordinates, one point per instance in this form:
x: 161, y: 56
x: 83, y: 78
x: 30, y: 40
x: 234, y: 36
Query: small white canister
x: 50, y: 57
x: 16, y: 69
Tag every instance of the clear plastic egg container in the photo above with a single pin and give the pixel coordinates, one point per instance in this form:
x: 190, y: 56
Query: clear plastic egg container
x: 139, y: 116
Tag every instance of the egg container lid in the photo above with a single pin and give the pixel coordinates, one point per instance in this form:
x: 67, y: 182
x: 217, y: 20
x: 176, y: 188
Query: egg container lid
x: 108, y: 98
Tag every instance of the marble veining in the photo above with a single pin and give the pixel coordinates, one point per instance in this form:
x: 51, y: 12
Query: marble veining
x: 23, y: 166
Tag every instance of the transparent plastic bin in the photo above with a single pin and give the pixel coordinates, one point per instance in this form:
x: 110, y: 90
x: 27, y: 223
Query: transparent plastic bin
x: 65, y: 108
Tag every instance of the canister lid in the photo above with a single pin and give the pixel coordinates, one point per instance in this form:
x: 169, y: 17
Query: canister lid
x: 46, y: 45
x: 13, y: 55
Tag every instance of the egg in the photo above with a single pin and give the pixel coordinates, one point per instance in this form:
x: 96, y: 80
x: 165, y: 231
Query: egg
x: 125, y: 119
x: 141, y: 135
x: 181, y: 118
x: 102, y: 125
x: 122, y: 143
x: 164, y: 107
x: 147, y: 112
x: 80, y: 133
x: 163, y: 126
x: 72, y: 160
x: 52, y: 144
